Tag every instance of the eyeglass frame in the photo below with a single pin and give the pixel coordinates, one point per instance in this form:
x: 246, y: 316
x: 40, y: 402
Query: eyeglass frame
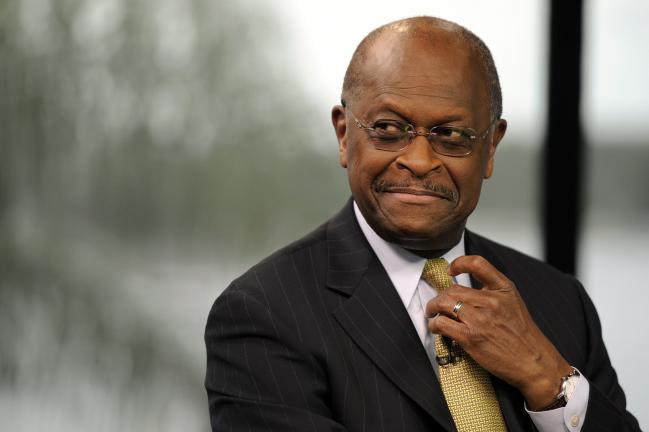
x: 414, y: 132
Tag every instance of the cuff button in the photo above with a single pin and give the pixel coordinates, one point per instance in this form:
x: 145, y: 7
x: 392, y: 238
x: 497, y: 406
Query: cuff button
x: 574, y: 421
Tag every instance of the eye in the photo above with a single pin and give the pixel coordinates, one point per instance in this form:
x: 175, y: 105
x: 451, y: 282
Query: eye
x: 450, y: 134
x: 389, y: 128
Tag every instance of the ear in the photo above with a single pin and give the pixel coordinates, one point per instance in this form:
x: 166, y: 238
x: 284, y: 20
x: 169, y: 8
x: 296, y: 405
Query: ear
x: 340, y: 127
x: 499, y: 133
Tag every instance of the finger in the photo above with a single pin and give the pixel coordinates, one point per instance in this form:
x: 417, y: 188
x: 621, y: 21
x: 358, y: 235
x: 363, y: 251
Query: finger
x: 481, y: 269
x: 442, y: 304
x: 446, y: 326
x: 469, y: 296
x: 448, y: 306
x: 473, y: 296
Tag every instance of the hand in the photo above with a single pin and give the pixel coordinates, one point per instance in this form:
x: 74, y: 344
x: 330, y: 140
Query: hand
x: 495, y: 328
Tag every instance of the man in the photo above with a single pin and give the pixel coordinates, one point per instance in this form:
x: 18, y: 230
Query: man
x: 359, y: 327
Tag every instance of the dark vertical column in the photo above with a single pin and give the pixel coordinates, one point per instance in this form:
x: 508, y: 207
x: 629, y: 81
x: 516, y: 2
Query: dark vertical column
x: 564, y: 149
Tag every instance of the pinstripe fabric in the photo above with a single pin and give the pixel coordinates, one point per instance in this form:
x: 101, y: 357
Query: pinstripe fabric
x: 315, y: 338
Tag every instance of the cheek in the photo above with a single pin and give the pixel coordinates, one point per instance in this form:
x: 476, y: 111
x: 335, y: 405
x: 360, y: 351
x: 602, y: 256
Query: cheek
x: 468, y: 182
x: 357, y: 174
x: 360, y: 179
x: 364, y: 168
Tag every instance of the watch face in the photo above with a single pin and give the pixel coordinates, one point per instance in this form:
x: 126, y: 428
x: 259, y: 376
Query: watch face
x: 569, y: 386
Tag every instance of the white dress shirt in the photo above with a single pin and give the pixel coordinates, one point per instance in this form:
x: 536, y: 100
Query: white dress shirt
x: 404, y: 269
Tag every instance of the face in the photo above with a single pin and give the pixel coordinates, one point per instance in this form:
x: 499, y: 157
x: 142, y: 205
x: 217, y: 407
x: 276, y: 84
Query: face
x: 415, y: 197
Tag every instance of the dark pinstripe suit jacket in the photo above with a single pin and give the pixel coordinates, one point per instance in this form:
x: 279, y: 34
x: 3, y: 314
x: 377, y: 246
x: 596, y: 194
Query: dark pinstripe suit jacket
x: 316, y: 338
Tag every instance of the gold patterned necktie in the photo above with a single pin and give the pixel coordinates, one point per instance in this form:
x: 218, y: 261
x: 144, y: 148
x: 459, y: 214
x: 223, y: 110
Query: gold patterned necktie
x: 466, y: 385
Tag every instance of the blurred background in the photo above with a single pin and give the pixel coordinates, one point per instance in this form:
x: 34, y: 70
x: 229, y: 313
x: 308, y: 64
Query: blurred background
x: 150, y: 151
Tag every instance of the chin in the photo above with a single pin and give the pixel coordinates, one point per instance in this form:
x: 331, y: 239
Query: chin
x: 424, y: 238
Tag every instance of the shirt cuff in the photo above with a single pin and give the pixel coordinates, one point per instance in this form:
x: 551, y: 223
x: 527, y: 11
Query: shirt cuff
x: 565, y: 419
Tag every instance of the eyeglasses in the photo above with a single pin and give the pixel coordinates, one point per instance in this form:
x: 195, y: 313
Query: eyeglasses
x: 394, y: 135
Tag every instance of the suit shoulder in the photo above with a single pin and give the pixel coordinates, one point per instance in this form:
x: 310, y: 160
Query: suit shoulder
x: 272, y: 269
x: 512, y: 258
x: 314, y: 239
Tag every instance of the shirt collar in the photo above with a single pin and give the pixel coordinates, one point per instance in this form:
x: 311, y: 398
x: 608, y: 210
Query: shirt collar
x: 403, y: 267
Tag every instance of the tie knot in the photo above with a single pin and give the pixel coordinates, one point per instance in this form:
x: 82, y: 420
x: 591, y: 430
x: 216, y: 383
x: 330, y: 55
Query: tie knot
x: 435, y: 274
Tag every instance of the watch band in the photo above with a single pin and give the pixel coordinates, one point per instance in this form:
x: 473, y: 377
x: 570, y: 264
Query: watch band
x: 565, y: 394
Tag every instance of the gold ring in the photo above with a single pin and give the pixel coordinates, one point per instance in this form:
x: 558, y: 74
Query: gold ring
x: 457, y: 307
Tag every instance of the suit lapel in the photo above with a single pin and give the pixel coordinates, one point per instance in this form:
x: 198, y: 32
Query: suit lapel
x: 375, y: 319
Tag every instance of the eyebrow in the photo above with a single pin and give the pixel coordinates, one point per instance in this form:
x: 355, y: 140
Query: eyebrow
x: 388, y: 108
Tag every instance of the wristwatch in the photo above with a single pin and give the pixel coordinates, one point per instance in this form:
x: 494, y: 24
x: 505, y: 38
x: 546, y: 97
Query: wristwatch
x: 568, y: 386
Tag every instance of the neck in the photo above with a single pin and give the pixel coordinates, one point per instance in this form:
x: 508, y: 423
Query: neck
x: 433, y: 247
x: 428, y: 254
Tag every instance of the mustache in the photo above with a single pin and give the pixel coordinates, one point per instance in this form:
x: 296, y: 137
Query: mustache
x: 434, y: 188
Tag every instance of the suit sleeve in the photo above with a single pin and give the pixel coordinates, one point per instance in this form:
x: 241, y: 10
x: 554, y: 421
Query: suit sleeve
x: 260, y: 377
x: 606, y: 404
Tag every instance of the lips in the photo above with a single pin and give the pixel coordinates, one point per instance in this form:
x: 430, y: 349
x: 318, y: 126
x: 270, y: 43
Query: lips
x: 421, y: 192
x: 434, y: 190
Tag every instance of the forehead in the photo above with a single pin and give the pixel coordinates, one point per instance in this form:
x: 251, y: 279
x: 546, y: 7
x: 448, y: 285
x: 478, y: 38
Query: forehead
x: 438, y: 71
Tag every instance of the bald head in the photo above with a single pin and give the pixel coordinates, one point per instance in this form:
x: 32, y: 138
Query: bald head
x: 433, y: 30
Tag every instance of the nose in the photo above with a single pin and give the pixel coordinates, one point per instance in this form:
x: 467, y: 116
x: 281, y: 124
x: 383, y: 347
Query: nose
x: 419, y: 157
